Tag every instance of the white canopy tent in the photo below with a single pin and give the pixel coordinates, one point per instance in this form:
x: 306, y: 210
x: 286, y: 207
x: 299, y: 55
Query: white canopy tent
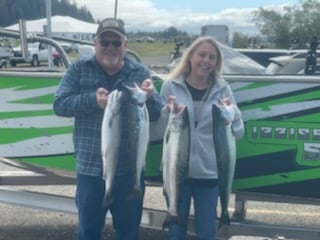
x: 62, y: 26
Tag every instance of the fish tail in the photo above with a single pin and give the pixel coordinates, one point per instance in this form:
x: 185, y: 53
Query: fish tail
x: 223, y: 226
x: 170, y: 219
x: 107, y: 200
x: 224, y: 220
x: 135, y: 193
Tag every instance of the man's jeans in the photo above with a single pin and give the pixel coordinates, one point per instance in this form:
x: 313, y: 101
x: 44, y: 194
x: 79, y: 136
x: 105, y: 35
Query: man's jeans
x: 126, y: 213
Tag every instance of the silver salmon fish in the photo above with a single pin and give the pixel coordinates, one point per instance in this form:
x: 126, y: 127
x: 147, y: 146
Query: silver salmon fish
x: 136, y: 118
x: 175, y: 160
x: 125, y: 123
x: 110, y: 142
x: 225, y: 148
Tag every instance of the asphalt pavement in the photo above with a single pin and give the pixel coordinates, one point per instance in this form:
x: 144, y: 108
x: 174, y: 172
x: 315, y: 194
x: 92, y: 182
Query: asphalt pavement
x: 20, y: 223
x: 25, y: 223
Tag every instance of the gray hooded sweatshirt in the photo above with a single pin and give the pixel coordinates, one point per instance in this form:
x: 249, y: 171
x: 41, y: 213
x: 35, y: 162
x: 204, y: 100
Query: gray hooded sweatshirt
x: 202, y: 162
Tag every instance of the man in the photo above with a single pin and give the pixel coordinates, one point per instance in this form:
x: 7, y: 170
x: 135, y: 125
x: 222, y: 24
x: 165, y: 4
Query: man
x: 83, y: 94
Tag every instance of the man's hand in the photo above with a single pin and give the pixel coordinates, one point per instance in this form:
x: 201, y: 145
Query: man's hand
x: 147, y: 85
x: 102, y: 97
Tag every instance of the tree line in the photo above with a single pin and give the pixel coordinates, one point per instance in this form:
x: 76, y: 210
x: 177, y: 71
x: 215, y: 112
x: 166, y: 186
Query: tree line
x: 292, y: 26
x: 11, y: 11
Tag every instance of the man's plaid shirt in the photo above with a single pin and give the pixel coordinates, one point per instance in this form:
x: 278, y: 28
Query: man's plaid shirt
x: 76, y: 97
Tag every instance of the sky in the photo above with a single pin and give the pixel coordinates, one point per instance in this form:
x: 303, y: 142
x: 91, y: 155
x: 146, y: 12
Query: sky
x: 185, y: 15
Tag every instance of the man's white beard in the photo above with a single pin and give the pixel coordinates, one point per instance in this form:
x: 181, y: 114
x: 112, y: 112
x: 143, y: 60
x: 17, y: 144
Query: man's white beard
x: 110, y: 63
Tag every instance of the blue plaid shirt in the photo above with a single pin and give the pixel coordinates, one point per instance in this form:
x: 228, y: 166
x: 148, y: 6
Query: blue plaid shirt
x: 76, y: 97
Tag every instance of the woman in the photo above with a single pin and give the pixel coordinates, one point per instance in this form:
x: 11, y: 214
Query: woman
x: 196, y: 83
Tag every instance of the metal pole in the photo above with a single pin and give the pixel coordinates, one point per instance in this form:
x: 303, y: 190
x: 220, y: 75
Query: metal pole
x: 115, y: 8
x: 48, y: 33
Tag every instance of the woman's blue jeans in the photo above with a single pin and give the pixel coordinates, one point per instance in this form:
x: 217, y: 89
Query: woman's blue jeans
x: 126, y: 213
x: 205, y: 206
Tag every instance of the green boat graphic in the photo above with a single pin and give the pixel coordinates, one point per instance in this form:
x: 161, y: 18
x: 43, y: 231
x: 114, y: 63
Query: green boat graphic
x: 279, y: 153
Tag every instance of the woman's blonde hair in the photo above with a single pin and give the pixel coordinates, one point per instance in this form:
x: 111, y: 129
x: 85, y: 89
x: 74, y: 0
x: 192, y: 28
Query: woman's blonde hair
x: 184, y: 66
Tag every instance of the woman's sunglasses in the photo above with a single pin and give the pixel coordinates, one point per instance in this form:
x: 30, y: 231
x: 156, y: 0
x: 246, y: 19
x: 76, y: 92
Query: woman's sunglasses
x: 106, y: 43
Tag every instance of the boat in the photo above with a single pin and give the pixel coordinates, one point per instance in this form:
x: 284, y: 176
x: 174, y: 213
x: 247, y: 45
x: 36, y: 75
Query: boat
x: 278, y: 158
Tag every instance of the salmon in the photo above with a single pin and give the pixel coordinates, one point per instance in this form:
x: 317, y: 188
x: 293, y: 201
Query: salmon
x: 125, y: 123
x: 225, y: 148
x: 175, y: 161
x: 110, y: 142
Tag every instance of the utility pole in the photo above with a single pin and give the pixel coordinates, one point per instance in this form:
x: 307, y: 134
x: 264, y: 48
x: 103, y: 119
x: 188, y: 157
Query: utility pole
x: 48, y: 31
x: 115, y: 8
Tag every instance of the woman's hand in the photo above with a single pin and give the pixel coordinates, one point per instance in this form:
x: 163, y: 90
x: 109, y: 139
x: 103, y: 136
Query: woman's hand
x: 172, y: 106
x: 170, y: 103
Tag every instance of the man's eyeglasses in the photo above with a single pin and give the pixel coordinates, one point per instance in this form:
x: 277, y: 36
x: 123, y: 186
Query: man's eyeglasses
x: 106, y: 43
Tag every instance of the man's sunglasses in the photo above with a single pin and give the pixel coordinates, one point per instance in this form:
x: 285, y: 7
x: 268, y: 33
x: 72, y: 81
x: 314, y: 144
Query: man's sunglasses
x: 106, y: 43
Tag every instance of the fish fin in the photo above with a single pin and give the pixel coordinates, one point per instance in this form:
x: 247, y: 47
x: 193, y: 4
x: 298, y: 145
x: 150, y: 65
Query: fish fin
x: 173, y: 220
x: 165, y: 194
x: 167, y: 136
